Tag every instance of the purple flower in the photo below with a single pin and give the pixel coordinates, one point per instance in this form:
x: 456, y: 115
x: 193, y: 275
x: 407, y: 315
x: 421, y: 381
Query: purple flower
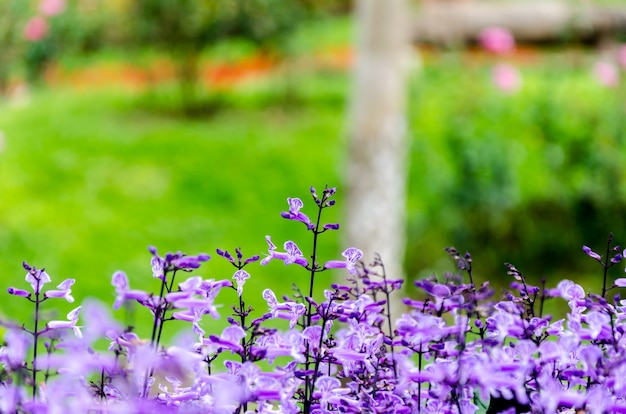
x: 291, y: 255
x: 226, y: 255
x: 230, y: 338
x: 270, y: 298
x: 591, y: 253
x: 327, y: 389
x: 287, y: 310
x: 240, y: 277
x: 295, y: 204
x: 187, y: 263
x: 122, y: 288
x: 17, y: 345
x: 158, y: 266
x: 70, y: 323
x: 37, y: 278
x: 64, y: 291
x: 352, y: 255
x: 22, y: 292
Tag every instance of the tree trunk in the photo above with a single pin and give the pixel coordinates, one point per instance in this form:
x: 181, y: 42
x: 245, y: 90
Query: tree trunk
x: 378, y: 153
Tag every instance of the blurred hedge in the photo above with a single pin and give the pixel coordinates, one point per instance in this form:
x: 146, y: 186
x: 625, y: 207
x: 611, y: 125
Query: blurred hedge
x: 527, y: 178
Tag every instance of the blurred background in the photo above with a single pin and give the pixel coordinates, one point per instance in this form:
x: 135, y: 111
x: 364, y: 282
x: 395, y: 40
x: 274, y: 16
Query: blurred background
x: 186, y: 124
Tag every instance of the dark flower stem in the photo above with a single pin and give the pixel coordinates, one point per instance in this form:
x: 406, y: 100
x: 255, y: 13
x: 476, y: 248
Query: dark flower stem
x: 159, y: 320
x: 389, y: 323
x: 606, y: 264
x: 310, y: 382
x: 36, y: 338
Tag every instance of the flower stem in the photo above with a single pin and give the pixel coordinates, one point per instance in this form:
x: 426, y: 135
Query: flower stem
x: 35, y: 340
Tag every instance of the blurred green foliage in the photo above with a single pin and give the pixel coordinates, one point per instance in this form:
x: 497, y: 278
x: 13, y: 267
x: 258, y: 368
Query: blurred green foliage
x: 527, y: 178
x: 89, y: 181
x: 184, y: 28
x: 13, y: 14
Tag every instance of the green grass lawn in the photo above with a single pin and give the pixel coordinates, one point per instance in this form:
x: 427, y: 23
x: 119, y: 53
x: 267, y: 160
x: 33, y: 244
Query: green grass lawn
x: 88, y: 182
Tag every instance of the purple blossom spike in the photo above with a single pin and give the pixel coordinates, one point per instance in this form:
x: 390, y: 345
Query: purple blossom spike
x: 252, y: 259
x: 187, y: 263
x: 270, y: 298
x: 226, y: 255
x: 36, y: 277
x: 230, y: 338
x: 158, y: 266
x: 240, y: 277
x: 25, y: 293
x: 64, y: 291
x: 69, y: 324
x: 617, y: 258
x: 352, y: 255
x: 295, y: 204
x: 296, y: 310
x: 292, y: 255
x: 122, y: 288
x: 592, y: 254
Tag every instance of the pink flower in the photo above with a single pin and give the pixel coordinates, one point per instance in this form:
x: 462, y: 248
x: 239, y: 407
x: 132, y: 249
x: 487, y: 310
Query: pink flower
x: 606, y: 73
x: 36, y: 29
x: 506, y: 78
x: 51, y: 7
x: 496, y: 40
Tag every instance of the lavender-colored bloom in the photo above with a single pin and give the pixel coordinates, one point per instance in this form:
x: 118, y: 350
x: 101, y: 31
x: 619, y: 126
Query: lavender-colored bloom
x: 296, y: 311
x: 328, y: 389
x: 69, y: 324
x: 97, y: 320
x: 291, y: 255
x: 158, y: 266
x: 122, y: 288
x: 295, y: 204
x: 592, y: 254
x: 64, y: 291
x: 229, y: 339
x: 352, y: 255
x: 191, y: 285
x: 240, y: 277
x: 272, y: 302
x: 287, y: 310
x: 617, y: 258
x: 36, y: 277
x: 571, y: 291
x: 187, y: 263
x: 17, y: 344
x: 18, y: 292
x: 226, y: 255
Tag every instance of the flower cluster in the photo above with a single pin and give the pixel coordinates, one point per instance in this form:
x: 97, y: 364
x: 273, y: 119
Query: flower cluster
x: 455, y: 350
